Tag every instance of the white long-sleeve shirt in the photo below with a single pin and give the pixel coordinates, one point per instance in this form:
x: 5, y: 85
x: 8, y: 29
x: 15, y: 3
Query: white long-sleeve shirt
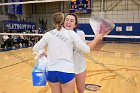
x: 60, y: 49
x: 5, y: 37
x: 79, y: 60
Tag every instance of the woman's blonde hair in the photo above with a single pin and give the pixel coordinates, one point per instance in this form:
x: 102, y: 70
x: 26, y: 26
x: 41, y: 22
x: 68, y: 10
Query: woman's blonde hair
x: 58, y: 19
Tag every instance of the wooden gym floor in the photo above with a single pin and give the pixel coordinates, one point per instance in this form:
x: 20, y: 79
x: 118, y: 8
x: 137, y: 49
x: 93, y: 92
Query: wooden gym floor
x: 115, y: 67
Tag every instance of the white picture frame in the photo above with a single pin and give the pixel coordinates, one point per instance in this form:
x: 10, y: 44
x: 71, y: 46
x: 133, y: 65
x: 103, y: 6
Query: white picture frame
x: 129, y: 28
x: 119, y: 29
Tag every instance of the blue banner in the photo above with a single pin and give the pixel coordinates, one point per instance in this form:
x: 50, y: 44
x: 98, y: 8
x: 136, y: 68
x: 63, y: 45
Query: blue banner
x: 15, y: 9
x: 80, y: 6
x: 16, y: 25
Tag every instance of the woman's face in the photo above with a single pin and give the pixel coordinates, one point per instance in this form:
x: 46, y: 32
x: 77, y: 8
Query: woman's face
x: 69, y: 22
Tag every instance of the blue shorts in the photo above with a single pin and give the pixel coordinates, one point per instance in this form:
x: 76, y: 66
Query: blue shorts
x: 57, y: 76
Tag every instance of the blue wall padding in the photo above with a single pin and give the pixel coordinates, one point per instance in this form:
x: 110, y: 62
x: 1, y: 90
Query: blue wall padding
x: 135, y: 32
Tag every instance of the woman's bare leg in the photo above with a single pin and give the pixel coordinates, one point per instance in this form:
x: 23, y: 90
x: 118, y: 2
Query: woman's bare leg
x: 80, y: 81
x: 55, y: 87
x: 68, y: 87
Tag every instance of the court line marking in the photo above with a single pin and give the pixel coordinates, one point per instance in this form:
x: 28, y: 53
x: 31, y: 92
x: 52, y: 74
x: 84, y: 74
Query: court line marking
x: 16, y: 63
x: 15, y: 78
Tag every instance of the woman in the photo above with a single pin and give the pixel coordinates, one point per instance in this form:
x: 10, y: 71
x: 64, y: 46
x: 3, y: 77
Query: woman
x: 70, y: 23
x: 60, y: 64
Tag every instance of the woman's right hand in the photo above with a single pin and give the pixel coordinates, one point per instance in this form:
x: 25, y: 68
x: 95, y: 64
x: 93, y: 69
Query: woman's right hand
x: 98, y: 37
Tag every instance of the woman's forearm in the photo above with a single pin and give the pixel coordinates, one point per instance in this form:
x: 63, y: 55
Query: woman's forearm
x: 94, y: 42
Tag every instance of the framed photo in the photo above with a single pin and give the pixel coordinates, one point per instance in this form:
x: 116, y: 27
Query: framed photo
x: 129, y: 28
x: 119, y: 28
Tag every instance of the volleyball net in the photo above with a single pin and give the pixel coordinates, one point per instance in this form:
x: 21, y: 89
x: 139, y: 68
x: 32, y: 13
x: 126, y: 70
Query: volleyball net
x: 20, y: 19
x: 24, y: 40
